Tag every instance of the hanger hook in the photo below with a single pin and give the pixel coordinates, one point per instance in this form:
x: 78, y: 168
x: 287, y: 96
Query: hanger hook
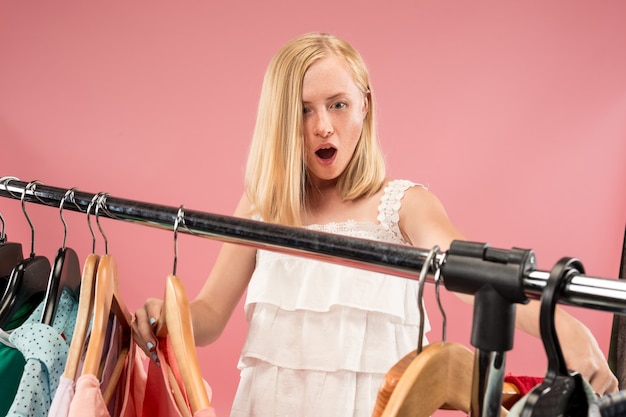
x: 422, y: 279
x: 93, y: 235
x: 29, y: 187
x: 560, y: 275
x: 4, y: 181
x: 437, y: 277
x: 69, y: 194
x: 100, y: 203
x: 2, y: 234
x: 180, y: 218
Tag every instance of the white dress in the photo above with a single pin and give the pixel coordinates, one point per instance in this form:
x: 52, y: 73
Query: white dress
x: 322, y: 336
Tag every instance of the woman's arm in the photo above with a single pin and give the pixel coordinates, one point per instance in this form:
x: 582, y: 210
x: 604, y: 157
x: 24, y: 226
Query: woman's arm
x: 425, y: 224
x: 216, y: 301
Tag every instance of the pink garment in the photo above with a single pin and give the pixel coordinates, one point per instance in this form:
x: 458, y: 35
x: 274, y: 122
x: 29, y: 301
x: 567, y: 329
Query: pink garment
x: 89, y: 402
x: 158, y: 400
x: 60, y: 406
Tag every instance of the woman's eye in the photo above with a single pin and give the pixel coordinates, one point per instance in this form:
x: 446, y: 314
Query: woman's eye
x: 305, y: 110
x: 339, y: 105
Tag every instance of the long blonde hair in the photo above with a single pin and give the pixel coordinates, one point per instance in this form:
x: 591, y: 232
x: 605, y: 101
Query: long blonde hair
x: 276, y: 180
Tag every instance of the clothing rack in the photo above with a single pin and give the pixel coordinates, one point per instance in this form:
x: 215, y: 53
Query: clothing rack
x: 399, y: 260
x: 510, y: 276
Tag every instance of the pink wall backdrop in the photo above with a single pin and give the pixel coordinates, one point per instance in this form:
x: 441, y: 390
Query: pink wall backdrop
x: 514, y: 114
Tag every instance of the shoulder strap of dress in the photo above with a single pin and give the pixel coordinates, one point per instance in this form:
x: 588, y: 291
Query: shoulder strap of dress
x: 390, y: 203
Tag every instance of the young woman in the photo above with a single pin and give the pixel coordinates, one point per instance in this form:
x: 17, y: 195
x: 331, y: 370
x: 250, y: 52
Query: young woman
x: 322, y: 336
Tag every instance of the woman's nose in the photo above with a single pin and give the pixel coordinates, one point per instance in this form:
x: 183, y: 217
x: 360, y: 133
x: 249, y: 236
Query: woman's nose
x: 323, y: 125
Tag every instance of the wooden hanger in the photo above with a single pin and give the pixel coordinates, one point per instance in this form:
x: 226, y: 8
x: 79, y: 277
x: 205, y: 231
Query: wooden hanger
x: 510, y: 392
x: 86, y: 301
x: 83, y: 316
x: 177, y: 323
x: 439, y: 377
x: 103, y: 299
x: 107, y: 301
x: 179, y: 327
x: 124, y: 319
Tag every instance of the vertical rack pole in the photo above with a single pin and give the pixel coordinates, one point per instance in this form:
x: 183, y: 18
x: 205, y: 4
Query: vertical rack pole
x: 495, y: 278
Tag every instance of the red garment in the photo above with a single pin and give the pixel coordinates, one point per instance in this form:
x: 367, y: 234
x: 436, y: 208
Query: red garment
x: 159, y: 400
x: 523, y: 383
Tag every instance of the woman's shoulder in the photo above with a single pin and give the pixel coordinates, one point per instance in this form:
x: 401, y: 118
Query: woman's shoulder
x: 402, y: 186
x: 245, y: 208
x: 407, y: 196
x: 422, y: 218
x: 413, y: 192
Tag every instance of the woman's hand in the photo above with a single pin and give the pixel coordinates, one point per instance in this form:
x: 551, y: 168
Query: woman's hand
x: 145, y: 324
x: 579, y: 346
x: 583, y: 354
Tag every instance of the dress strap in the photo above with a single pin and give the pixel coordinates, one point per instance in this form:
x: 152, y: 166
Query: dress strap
x: 390, y: 203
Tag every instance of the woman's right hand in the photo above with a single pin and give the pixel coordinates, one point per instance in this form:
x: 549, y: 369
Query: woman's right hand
x: 145, y: 325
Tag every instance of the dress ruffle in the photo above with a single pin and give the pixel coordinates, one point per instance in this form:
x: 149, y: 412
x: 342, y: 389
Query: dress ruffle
x: 267, y: 390
x: 325, y: 334
x: 322, y: 285
x: 352, y: 339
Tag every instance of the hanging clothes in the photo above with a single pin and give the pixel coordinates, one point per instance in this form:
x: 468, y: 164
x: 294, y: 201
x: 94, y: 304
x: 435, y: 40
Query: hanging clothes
x: 159, y: 398
x: 11, y: 361
x: 612, y: 405
x: 64, y: 395
x: 45, y: 350
x: 88, y: 399
x: 518, y: 407
x: 145, y: 389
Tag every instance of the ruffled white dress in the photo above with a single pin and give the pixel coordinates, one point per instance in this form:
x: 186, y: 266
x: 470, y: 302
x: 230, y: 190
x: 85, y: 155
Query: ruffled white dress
x: 322, y: 336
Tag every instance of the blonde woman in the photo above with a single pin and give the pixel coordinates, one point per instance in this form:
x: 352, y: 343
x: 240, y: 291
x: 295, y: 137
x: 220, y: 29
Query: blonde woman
x: 322, y: 336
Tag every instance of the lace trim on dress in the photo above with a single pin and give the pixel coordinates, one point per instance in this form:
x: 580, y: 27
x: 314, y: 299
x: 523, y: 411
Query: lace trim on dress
x: 390, y: 203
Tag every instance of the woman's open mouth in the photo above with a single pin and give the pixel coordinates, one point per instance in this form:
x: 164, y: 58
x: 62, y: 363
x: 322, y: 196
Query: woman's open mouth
x: 326, y: 153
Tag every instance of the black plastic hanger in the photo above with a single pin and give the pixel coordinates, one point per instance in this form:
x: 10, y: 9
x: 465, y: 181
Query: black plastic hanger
x: 28, y: 279
x: 10, y: 252
x: 65, y: 272
x: 562, y: 392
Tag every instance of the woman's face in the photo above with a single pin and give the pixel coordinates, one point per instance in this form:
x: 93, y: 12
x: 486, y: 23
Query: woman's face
x: 333, y: 112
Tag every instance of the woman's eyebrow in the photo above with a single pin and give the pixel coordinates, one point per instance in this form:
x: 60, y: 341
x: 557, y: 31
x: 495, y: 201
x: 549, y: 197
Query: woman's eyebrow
x: 333, y: 97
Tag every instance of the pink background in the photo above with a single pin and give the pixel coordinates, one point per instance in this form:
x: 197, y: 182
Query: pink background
x: 514, y: 114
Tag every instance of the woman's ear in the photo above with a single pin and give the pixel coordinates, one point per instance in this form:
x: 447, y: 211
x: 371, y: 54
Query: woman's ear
x: 366, y: 103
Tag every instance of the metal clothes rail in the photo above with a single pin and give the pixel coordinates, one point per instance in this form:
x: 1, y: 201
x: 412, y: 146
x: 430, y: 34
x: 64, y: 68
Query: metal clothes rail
x: 399, y: 260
